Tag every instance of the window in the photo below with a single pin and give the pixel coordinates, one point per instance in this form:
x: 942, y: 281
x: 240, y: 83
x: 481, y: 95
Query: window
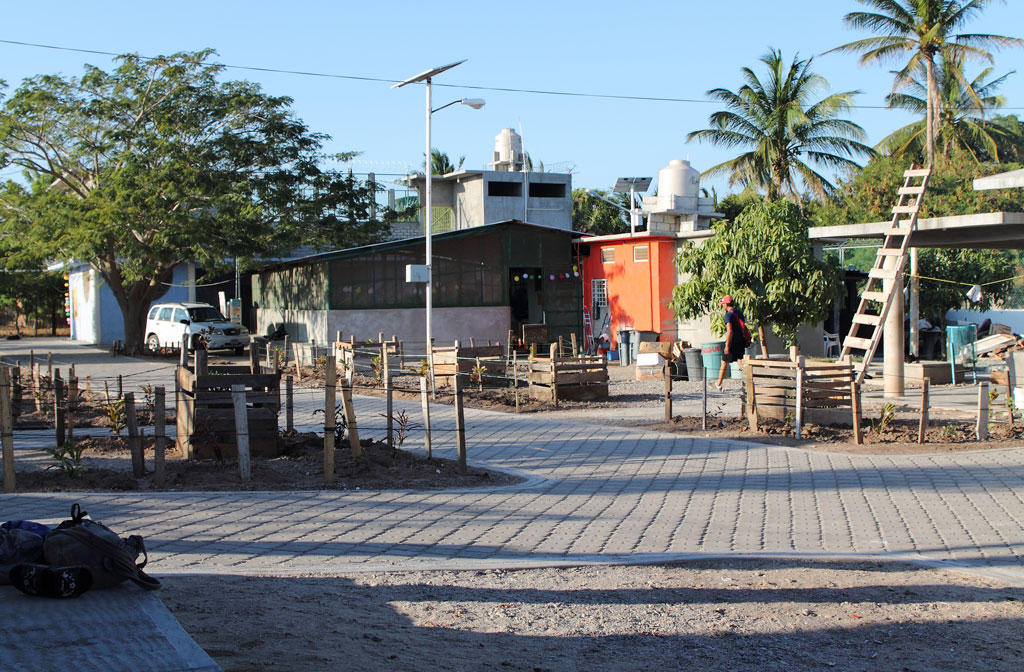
x: 179, y: 315
x: 599, y: 292
x: 165, y: 314
x: 511, y: 189
x: 546, y: 190
x: 607, y: 255
x: 641, y: 253
x: 152, y: 312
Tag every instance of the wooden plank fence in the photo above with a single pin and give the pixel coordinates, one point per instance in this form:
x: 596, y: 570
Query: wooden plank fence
x: 810, y: 392
x: 206, y: 411
x: 577, y: 378
x: 449, y: 360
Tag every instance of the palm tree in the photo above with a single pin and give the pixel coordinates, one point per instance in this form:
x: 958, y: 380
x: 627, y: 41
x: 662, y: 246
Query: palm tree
x: 961, y: 116
x: 780, y: 125
x: 924, y: 30
x: 440, y: 164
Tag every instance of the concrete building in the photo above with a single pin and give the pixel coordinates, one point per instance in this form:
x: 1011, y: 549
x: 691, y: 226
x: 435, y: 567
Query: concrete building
x: 464, y: 199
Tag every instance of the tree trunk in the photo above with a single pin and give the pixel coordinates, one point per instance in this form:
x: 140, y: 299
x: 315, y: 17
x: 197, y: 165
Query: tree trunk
x: 930, y: 117
x: 764, y: 342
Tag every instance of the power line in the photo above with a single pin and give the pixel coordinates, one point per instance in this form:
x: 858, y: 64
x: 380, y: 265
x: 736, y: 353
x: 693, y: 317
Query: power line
x: 501, y: 89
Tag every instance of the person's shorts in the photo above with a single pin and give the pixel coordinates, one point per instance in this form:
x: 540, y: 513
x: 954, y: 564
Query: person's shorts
x: 730, y: 357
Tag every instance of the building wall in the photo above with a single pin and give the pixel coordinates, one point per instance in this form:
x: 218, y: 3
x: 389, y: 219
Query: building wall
x: 638, y: 291
x: 409, y: 325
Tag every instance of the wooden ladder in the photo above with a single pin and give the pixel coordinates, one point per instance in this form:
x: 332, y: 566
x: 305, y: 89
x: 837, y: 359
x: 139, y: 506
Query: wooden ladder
x: 889, y: 264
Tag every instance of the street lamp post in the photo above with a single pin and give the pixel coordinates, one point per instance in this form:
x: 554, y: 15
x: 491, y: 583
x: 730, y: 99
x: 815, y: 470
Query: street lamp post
x: 476, y: 104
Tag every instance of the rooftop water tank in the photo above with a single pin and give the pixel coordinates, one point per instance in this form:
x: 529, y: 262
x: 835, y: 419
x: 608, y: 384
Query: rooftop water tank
x: 678, y: 186
x: 508, y: 150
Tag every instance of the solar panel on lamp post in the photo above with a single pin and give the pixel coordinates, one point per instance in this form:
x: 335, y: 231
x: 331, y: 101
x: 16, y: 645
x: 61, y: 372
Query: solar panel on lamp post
x: 476, y: 104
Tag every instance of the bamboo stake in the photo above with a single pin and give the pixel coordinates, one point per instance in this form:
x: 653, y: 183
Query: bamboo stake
x: 242, y: 432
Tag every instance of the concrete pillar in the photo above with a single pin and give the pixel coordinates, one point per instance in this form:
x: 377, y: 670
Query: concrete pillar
x: 893, y: 341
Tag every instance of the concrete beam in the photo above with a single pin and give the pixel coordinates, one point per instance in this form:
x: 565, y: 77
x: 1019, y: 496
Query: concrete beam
x: 1011, y: 180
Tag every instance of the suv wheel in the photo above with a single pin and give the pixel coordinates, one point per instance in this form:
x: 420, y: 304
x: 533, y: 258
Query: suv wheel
x: 153, y: 343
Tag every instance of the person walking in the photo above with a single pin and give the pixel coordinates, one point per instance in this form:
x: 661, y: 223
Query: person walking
x: 735, y: 337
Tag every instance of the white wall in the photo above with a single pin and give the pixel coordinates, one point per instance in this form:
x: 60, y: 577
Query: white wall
x: 1014, y: 319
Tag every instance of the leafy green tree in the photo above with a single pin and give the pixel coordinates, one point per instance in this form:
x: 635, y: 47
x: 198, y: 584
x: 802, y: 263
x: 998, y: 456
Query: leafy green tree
x: 157, y: 163
x: 924, y: 31
x: 780, y: 124
x: 592, y: 215
x: 961, y: 116
x: 955, y: 270
x: 766, y: 262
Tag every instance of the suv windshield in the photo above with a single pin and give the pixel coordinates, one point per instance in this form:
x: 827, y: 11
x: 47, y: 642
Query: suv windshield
x: 205, y: 314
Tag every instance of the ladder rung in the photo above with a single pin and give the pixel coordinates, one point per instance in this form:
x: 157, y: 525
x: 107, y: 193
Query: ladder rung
x: 905, y: 209
x: 864, y: 318
x: 859, y: 343
x: 890, y: 252
x: 881, y: 297
x: 917, y: 172
x: 912, y: 191
x: 883, y: 273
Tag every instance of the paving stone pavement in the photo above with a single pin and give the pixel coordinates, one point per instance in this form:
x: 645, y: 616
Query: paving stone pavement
x: 593, y: 493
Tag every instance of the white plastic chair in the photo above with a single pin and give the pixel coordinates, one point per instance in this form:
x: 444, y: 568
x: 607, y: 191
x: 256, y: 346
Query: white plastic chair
x: 831, y: 343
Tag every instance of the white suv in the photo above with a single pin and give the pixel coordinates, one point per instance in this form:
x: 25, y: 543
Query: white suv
x: 167, y: 323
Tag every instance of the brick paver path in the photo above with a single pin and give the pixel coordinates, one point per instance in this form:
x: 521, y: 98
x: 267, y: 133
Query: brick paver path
x: 594, y: 493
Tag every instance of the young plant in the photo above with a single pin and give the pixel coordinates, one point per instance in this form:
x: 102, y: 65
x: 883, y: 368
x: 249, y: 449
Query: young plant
x: 992, y: 396
x: 405, y: 425
x: 377, y: 364
x: 476, y: 375
x: 68, y: 458
x: 149, y: 396
x: 340, y: 422
x: 424, y: 368
x: 116, y: 415
x: 887, y: 417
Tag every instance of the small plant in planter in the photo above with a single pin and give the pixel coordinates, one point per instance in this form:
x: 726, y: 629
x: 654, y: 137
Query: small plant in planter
x: 116, y: 415
x: 68, y: 458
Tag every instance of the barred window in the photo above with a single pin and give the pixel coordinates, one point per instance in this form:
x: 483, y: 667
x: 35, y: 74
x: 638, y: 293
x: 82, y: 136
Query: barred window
x: 599, y: 292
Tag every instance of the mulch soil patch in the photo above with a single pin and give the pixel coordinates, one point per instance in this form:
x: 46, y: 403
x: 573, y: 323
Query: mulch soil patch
x: 299, y: 467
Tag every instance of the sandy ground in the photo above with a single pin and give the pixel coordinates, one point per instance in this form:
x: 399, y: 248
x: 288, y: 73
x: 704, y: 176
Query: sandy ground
x: 716, y: 614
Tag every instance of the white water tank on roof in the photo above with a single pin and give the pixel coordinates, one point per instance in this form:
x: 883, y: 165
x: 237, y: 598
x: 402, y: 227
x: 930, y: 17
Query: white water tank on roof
x: 508, y: 150
x: 678, y: 186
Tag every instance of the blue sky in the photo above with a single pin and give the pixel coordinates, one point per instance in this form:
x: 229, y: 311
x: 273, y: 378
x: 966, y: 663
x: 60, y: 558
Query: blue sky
x: 641, y: 48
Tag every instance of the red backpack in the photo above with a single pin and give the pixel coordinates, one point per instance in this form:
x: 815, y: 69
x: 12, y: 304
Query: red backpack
x: 747, y: 340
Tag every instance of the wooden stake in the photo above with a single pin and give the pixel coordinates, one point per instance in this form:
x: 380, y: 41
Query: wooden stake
x: 389, y: 397
x: 425, y: 399
x: 799, y: 396
x: 120, y: 387
x: 49, y: 365
x: 6, y: 429
x: 289, y: 403
x: 72, y: 393
x: 668, y: 388
x: 923, y: 426
x: 183, y: 353
x: 460, y: 424
x: 159, y: 432
x: 58, y: 408
x: 555, y: 349
x: 106, y: 393
x: 982, y: 427
x: 350, y: 420
x: 134, y: 444
x: 254, y: 360
x: 480, y: 375
x: 330, y: 404
x: 704, y: 399
x: 242, y: 432
x: 748, y: 379
x: 88, y: 387
x: 575, y: 345
x: 855, y: 406
x: 515, y: 376
x: 202, y: 363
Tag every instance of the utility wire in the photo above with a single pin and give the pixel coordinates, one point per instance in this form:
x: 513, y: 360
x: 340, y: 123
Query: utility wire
x: 503, y: 89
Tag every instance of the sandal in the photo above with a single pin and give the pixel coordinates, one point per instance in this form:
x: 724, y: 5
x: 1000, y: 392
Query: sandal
x: 46, y: 581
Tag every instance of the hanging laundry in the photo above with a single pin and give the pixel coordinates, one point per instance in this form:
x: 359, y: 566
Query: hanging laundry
x: 974, y: 294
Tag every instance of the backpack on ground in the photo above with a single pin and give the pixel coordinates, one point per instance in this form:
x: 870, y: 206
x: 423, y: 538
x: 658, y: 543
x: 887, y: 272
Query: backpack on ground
x: 110, y: 559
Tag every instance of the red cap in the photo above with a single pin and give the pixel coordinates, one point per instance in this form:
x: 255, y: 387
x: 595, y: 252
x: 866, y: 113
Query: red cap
x: 726, y: 301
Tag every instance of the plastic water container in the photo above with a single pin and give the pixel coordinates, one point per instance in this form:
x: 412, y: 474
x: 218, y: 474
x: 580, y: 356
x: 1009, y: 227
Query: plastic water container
x: 711, y: 354
x: 613, y: 355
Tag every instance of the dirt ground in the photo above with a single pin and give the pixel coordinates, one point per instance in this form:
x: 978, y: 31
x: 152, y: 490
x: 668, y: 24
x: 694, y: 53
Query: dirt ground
x: 716, y: 614
x: 300, y: 466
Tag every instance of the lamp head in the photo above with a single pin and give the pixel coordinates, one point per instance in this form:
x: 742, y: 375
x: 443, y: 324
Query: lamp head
x: 475, y: 103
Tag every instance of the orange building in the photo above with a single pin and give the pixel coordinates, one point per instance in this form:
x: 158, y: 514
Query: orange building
x: 627, y: 284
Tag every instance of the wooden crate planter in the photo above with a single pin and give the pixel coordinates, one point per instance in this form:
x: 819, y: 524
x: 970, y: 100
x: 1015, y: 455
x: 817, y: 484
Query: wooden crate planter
x: 825, y: 393
x: 448, y: 360
x: 205, y: 411
x: 576, y: 378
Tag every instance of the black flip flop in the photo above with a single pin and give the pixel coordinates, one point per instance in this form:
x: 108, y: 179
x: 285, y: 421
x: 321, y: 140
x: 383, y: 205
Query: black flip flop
x: 46, y: 581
